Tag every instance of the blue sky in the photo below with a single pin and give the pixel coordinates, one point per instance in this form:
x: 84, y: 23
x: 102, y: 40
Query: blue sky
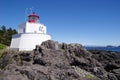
x: 88, y: 22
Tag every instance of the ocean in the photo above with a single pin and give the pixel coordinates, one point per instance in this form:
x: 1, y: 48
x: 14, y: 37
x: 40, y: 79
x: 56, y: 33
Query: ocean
x: 117, y: 49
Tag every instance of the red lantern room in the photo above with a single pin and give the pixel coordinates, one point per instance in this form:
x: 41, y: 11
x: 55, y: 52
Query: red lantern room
x: 33, y: 18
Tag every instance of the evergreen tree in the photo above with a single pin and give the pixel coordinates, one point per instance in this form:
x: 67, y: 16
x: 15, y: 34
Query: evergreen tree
x: 6, y: 35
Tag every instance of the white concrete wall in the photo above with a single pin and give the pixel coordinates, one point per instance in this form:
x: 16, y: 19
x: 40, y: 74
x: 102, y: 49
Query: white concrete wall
x: 32, y: 28
x: 15, y: 41
x: 35, y: 28
x: 28, y: 41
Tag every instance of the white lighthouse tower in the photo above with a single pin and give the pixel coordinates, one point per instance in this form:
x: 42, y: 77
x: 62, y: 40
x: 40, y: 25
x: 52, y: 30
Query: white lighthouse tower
x: 30, y: 34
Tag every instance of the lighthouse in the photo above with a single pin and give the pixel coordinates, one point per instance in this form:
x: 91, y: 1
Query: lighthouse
x: 30, y: 34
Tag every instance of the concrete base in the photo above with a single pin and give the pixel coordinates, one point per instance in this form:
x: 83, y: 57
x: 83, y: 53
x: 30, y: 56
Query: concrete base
x: 27, y: 42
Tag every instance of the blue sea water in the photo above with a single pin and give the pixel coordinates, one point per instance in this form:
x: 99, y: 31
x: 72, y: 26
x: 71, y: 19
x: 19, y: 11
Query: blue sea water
x: 117, y: 49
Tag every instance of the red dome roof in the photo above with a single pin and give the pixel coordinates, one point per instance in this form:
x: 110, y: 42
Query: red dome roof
x: 33, y: 15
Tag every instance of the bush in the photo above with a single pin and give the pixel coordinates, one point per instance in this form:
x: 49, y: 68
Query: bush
x: 2, y: 46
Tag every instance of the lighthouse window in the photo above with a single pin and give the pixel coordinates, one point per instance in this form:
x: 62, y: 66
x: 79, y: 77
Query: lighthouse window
x: 33, y: 18
x: 30, y: 18
x: 23, y: 30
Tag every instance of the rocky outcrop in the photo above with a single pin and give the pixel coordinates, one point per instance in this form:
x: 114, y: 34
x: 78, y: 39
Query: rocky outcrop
x: 110, y: 61
x: 54, y: 61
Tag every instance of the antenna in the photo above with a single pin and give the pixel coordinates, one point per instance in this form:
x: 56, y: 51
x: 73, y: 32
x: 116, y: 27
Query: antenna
x: 27, y: 11
x: 26, y: 14
x: 31, y: 9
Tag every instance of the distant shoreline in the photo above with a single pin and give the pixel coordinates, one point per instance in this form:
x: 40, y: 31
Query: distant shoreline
x: 113, y: 49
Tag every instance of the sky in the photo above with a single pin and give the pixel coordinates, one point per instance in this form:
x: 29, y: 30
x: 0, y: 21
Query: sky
x: 88, y: 22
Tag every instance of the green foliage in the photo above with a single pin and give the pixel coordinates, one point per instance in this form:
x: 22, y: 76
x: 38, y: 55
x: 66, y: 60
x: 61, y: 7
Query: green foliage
x: 2, y: 46
x: 6, y: 35
x: 3, y: 49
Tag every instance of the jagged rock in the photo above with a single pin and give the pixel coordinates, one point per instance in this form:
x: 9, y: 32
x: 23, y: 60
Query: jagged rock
x: 38, y: 60
x: 110, y: 62
x: 111, y: 76
x: 26, y: 56
x: 54, y: 61
x: 51, y: 45
x: 11, y: 73
x: 116, y: 73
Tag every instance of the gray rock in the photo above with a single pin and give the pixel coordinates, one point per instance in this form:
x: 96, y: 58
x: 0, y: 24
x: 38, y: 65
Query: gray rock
x: 111, y: 76
x: 51, y: 45
x: 116, y: 73
x: 54, y: 61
